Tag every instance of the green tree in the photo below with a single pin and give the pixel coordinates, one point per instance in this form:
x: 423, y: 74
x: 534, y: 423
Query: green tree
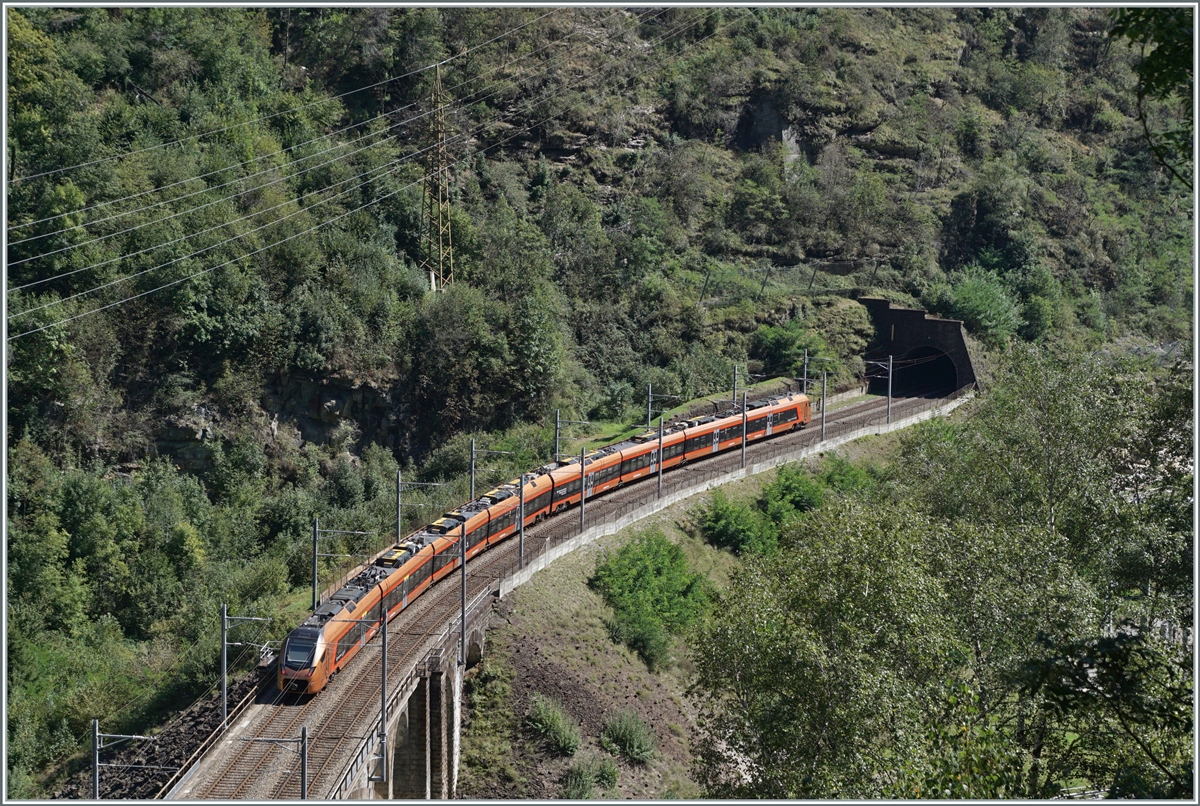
x: 1130, y: 698
x: 980, y: 300
x: 1164, y: 38
x: 820, y: 662
x: 737, y: 527
x: 963, y: 755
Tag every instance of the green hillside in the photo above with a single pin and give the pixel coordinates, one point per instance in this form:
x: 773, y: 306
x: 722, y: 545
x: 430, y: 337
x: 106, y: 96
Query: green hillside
x: 219, y: 321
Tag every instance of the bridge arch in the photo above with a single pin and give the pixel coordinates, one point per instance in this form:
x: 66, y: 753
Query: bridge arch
x: 475, y: 646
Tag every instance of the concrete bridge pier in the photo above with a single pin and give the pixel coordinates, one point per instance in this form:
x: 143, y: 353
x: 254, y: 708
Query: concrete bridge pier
x: 428, y: 735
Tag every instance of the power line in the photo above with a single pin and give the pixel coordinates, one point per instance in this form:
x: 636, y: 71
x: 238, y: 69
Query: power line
x: 295, y: 548
x: 328, y: 221
x: 392, y: 166
x: 14, y: 180
x: 343, y: 130
x: 496, y: 89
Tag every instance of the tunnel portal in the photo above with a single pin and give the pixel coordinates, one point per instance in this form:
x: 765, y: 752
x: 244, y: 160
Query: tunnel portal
x: 929, y: 355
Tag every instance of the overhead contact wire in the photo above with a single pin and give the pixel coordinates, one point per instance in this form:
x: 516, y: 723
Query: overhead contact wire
x: 495, y: 90
x: 395, y: 163
x: 343, y: 130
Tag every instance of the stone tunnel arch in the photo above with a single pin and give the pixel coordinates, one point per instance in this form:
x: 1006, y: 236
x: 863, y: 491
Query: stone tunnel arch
x: 921, y: 370
x: 929, y: 353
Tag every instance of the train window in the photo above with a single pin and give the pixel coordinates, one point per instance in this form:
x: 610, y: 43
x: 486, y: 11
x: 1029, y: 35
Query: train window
x: 786, y: 416
x: 298, y: 654
x: 755, y: 425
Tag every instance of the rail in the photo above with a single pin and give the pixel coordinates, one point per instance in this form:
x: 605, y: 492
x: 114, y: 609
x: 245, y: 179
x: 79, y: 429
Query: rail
x: 695, y: 478
x: 608, y: 515
x: 369, y: 745
x: 186, y: 768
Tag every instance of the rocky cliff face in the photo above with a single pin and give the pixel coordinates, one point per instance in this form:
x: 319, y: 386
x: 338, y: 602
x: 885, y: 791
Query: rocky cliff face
x: 295, y: 408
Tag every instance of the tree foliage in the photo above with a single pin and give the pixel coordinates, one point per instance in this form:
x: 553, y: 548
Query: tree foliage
x: 973, y: 625
x: 215, y: 226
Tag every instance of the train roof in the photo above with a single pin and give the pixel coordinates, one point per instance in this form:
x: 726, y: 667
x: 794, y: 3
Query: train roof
x: 347, y: 597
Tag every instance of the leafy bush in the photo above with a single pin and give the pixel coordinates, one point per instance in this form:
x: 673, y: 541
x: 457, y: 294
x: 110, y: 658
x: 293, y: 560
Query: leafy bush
x: 781, y: 348
x: 587, y: 773
x: 981, y: 301
x: 652, y: 594
x: 548, y: 717
x: 578, y: 785
x: 840, y: 474
x: 794, y: 491
x: 626, y: 734
x: 736, y: 527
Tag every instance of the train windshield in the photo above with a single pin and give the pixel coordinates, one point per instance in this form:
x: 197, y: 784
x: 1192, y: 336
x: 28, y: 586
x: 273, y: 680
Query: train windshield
x: 299, y: 653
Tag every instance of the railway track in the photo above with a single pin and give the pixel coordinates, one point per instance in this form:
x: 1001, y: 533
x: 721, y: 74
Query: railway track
x: 339, y: 717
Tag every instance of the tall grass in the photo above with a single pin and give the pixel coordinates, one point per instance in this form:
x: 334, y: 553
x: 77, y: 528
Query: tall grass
x: 586, y: 774
x: 626, y: 734
x: 548, y: 717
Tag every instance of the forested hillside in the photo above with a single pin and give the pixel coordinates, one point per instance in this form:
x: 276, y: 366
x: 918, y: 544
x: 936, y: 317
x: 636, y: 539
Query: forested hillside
x: 219, y: 327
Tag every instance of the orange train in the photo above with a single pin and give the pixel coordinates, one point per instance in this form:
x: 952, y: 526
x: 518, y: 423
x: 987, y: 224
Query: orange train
x: 342, y: 624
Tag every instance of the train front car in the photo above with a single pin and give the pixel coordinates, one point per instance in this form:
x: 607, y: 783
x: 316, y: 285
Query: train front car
x: 303, y: 663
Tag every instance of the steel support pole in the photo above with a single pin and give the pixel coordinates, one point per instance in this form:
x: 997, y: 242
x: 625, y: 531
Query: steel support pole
x: 735, y: 385
x: 95, y: 759
x: 824, y: 374
x: 649, y: 399
x: 582, y: 487
x: 889, y: 390
x: 399, y: 530
x: 472, y: 468
x: 557, y: 425
x: 303, y: 762
x: 521, y: 523
x: 743, y: 430
x: 316, y: 529
x: 224, y: 667
x: 660, y: 456
x: 462, y: 563
x: 805, y: 390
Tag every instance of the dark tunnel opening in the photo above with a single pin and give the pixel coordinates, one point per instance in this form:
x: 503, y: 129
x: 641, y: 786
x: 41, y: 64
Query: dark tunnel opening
x: 923, y: 370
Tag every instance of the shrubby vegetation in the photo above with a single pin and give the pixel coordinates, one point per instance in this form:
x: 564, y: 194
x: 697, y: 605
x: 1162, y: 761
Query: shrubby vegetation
x: 586, y: 774
x: 755, y: 529
x: 653, y: 595
x: 627, y: 735
x: 624, y: 210
x: 549, y: 719
x: 1003, y: 614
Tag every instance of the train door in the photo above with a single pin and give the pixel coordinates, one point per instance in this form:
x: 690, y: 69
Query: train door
x: 716, y: 439
x: 770, y: 422
x: 589, y: 485
x: 654, y: 460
